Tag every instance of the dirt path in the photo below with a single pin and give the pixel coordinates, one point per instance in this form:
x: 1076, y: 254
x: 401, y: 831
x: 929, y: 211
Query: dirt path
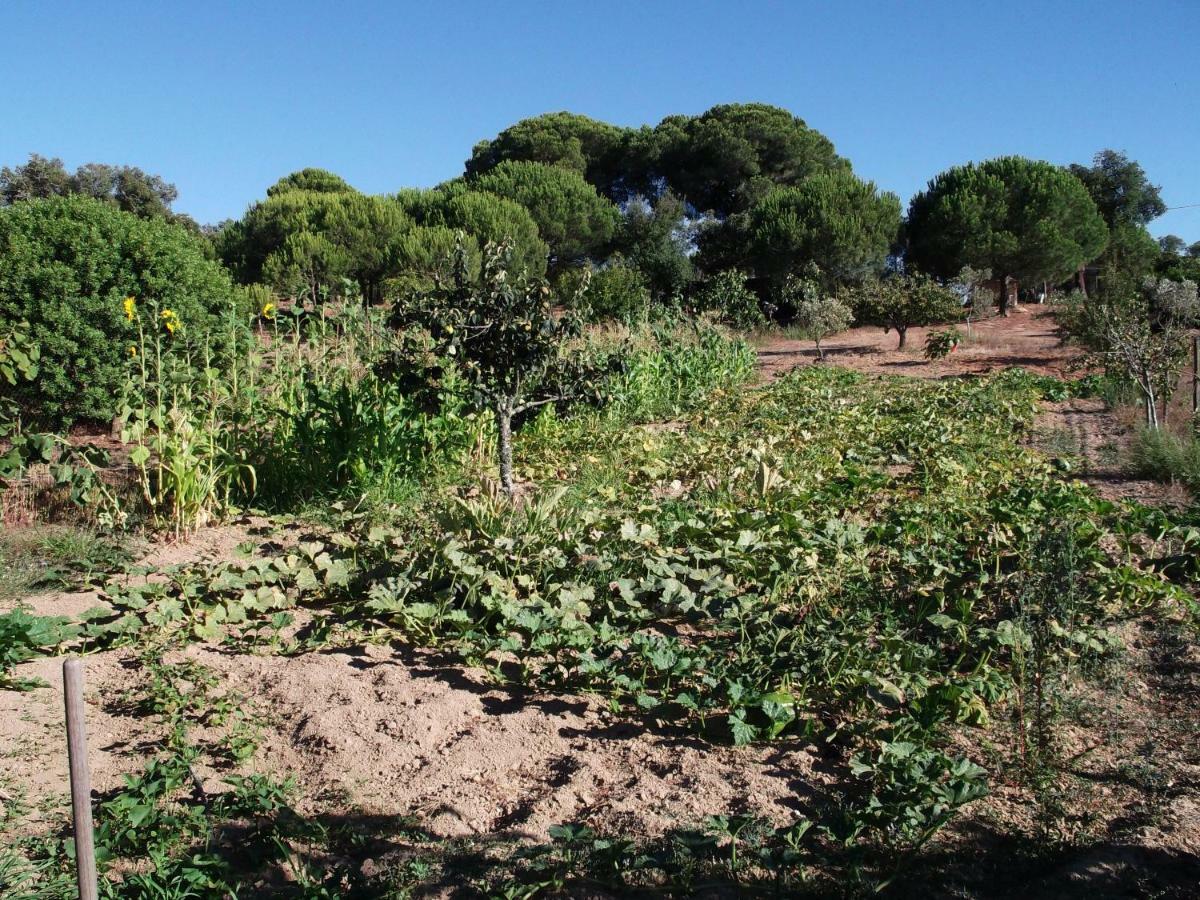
x: 1028, y: 338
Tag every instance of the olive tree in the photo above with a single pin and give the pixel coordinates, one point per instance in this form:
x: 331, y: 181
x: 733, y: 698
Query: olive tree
x: 1143, y: 336
x: 816, y: 312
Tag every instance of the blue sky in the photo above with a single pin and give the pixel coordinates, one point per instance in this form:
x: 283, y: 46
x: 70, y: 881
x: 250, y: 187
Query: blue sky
x: 222, y: 98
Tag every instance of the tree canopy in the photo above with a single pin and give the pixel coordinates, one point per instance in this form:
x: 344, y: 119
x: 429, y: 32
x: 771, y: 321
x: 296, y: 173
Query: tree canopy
x: 319, y: 181
x: 126, y: 187
x: 1120, y: 189
x: 732, y: 155
x: 583, y: 145
x: 834, y: 220
x: 486, y: 218
x: 572, y: 218
x: 1018, y: 217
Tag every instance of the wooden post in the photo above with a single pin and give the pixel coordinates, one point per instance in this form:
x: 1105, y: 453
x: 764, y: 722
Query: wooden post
x: 1196, y: 375
x: 81, y: 781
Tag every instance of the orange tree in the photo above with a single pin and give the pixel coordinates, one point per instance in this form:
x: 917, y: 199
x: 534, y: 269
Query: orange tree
x: 496, y: 327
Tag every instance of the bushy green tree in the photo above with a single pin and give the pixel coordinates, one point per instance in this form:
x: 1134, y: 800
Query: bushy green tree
x: 1128, y: 202
x: 578, y: 143
x: 575, y: 221
x: 729, y: 157
x: 1120, y: 189
x: 616, y: 292
x: 656, y: 238
x: 320, y: 181
x: 1181, y: 265
x: 38, y: 179
x: 901, y: 301
x: 67, y: 265
x: 727, y: 293
x: 1021, y: 218
x: 306, y: 242
x: 126, y: 187
x: 486, y: 218
x: 834, y: 220
x: 499, y: 329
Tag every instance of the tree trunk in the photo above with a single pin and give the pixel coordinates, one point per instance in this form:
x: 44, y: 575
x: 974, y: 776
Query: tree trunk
x: 820, y: 352
x: 504, y: 423
x: 1003, y: 299
x: 1082, y: 281
x: 903, y: 332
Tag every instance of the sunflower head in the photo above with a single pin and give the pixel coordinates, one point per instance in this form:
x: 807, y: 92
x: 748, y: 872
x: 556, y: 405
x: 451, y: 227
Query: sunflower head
x: 171, y: 321
x: 130, y: 307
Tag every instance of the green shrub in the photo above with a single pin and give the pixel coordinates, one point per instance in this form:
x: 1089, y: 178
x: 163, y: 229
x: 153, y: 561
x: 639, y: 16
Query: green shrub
x: 1164, y: 456
x: 66, y: 266
x: 617, y: 292
x: 728, y: 296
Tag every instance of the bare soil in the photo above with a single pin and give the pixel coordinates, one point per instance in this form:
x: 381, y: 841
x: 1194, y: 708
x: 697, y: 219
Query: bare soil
x: 1028, y: 338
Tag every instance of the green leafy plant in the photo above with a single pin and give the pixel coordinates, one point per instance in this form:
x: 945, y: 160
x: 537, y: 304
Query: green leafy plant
x: 940, y: 344
x: 24, y: 637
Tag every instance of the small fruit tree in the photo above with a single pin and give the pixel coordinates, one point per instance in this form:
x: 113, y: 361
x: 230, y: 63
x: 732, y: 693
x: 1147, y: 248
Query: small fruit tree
x: 498, y: 329
x: 817, y: 313
x: 902, y: 301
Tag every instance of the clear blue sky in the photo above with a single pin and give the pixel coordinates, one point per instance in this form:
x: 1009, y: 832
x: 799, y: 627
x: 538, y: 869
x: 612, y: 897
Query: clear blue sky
x: 222, y: 98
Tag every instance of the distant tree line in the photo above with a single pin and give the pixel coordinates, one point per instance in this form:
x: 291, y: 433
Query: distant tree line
x: 704, y: 211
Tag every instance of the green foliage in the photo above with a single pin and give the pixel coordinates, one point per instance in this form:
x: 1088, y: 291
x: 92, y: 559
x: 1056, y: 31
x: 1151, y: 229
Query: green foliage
x: 126, y: 187
x: 1139, y: 334
x: 68, y: 264
x: 727, y: 295
x: 56, y: 558
x: 940, y: 344
x: 24, y: 637
x: 656, y: 239
x: 486, y: 218
x: 1018, y: 217
x: 1120, y: 189
x: 498, y: 330
x: 902, y: 301
x: 19, y: 355
x: 307, y: 243
x: 575, y: 221
x: 1163, y: 455
x: 731, y: 156
x: 318, y: 181
x: 616, y: 292
x: 833, y: 220
x: 817, y: 313
x: 673, y: 372
x: 570, y: 141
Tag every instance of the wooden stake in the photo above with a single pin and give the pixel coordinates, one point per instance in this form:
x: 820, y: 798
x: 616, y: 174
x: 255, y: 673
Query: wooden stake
x: 1196, y: 376
x: 81, y: 781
